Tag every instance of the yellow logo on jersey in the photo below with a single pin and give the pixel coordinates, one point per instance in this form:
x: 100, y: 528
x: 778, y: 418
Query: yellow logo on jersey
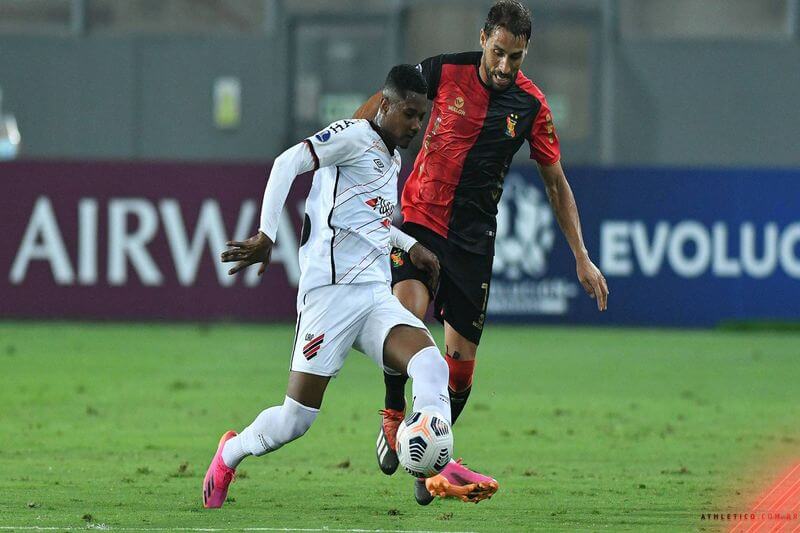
x: 511, y: 123
x: 457, y: 106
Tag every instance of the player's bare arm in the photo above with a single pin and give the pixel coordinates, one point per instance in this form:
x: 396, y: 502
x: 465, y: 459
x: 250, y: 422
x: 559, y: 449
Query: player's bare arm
x: 566, y: 210
x: 256, y: 249
x: 369, y: 109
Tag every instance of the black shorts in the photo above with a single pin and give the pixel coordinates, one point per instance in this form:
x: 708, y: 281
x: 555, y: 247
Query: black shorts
x: 463, y: 292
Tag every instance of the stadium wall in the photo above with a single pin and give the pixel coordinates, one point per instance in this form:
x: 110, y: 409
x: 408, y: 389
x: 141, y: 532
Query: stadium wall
x: 145, y: 97
x: 117, y: 240
x: 142, y: 97
x: 728, y: 103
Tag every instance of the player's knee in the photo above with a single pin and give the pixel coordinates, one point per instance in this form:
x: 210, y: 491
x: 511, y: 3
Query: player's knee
x: 414, y: 296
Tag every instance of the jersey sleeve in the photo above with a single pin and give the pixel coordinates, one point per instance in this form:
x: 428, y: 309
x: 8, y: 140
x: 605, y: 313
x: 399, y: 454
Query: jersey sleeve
x: 545, y: 148
x: 296, y: 160
x: 431, y: 70
x: 337, y: 144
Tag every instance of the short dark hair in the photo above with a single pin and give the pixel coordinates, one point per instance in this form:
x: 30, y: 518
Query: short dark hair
x: 404, y: 78
x: 512, y: 16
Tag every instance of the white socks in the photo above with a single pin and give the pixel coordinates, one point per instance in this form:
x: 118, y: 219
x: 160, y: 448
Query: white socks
x: 430, y: 373
x: 278, y: 425
x: 271, y: 429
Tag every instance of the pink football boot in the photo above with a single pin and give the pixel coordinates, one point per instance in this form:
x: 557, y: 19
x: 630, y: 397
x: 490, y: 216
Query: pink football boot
x: 459, y: 482
x: 218, y: 477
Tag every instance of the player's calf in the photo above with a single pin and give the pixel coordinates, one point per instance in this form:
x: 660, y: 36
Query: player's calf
x: 277, y: 426
x: 459, y: 382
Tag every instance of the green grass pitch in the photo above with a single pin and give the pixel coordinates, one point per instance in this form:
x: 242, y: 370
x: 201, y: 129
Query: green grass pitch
x: 112, y: 426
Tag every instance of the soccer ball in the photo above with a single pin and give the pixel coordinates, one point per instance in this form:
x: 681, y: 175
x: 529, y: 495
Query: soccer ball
x: 424, y: 443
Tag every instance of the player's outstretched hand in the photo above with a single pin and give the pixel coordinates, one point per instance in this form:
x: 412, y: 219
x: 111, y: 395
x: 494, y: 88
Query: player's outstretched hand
x: 593, y: 282
x: 425, y: 260
x: 256, y: 249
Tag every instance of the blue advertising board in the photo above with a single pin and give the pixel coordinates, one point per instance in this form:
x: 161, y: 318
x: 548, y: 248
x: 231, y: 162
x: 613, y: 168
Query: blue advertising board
x: 679, y: 247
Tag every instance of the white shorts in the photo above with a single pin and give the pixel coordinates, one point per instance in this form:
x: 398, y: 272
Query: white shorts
x: 334, y: 318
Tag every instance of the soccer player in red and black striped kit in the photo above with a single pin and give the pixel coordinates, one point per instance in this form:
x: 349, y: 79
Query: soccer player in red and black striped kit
x: 484, y: 109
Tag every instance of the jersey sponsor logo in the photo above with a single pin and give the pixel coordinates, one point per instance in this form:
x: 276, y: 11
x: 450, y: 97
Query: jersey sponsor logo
x: 336, y: 127
x: 525, y: 237
x: 381, y: 205
x: 340, y: 126
x: 378, y: 164
x: 458, y: 106
x: 511, y: 123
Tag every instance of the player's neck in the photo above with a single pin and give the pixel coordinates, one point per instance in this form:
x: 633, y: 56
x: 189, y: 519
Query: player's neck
x: 389, y: 144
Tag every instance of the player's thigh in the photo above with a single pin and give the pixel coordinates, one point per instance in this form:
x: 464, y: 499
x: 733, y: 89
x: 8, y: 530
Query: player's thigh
x: 391, y: 334
x: 307, y: 389
x: 328, y: 323
x: 414, y: 295
x: 409, y: 283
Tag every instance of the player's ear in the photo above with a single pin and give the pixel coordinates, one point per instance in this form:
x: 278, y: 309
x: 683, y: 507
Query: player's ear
x: 384, y: 105
x: 483, y: 38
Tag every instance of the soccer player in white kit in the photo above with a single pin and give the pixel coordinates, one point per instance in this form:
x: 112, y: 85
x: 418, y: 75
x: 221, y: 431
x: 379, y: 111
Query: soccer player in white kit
x: 344, y: 298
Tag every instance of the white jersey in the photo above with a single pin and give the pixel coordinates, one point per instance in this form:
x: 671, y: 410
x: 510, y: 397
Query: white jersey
x: 349, y: 210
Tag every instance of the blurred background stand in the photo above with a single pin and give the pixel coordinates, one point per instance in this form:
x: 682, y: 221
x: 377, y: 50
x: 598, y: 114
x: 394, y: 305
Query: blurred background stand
x: 10, y: 138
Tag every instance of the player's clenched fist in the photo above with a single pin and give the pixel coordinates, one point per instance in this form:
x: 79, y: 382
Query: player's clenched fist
x: 256, y: 249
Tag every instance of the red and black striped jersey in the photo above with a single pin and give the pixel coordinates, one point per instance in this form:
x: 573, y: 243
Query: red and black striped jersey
x: 472, y: 135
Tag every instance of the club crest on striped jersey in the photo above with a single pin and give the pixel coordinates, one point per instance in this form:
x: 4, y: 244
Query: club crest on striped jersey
x: 511, y: 123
